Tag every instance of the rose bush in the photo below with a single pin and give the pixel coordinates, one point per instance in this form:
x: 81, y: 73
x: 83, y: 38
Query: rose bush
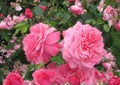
x: 59, y: 42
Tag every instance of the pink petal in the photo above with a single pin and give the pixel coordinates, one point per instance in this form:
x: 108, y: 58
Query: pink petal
x: 53, y: 38
x: 52, y: 49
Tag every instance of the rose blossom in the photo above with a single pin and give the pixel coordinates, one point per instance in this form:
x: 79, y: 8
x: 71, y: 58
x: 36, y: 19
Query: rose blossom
x: 101, y: 6
x: 77, y: 8
x: 82, y: 46
x: 114, y: 81
x: 1, y: 15
x: 74, y: 76
x: 44, y: 76
x: 18, y: 19
x: 71, y: 0
x: 110, y: 15
x: 44, y: 8
x: 13, y: 79
x: 28, y: 13
x: 7, y: 23
x: 109, y: 56
x: 117, y: 26
x: 16, y: 6
x: 41, y: 43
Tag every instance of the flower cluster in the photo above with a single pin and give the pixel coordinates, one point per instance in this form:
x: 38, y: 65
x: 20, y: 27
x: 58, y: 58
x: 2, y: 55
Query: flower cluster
x: 73, y: 42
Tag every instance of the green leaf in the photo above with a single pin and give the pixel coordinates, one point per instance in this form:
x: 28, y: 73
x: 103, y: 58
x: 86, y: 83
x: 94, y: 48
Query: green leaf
x: 106, y: 28
x: 1, y: 77
x: 30, y: 67
x: 21, y: 27
x: 57, y: 59
x: 38, y: 66
x: 117, y: 74
x: 38, y: 11
x: 116, y: 47
x: 88, y: 21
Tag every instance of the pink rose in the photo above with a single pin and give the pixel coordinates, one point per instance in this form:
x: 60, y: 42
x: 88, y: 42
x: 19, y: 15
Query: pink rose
x: 41, y: 43
x: 117, y: 26
x: 114, y: 81
x: 18, y: 19
x: 108, y: 13
x: 74, y: 80
x: 13, y: 79
x: 71, y: 0
x: 44, y: 76
x: 28, y: 13
x: 101, y: 6
x: 109, y: 56
x: 77, y: 8
x: 1, y: 15
x: 44, y: 8
x: 107, y: 66
x: 7, y: 23
x: 74, y: 76
x: 82, y: 46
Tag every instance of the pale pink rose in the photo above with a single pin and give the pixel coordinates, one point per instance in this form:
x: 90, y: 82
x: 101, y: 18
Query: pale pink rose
x: 7, y: 23
x: 17, y: 46
x: 82, y: 46
x: 3, y: 25
x: 100, y: 6
x: 44, y: 76
x: 107, y: 66
x: 41, y: 43
x: 77, y: 8
x: 16, y: 6
x: 10, y: 52
x: 109, y: 56
x: 117, y: 26
x: 110, y: 15
x: 13, y: 79
x: 18, y: 19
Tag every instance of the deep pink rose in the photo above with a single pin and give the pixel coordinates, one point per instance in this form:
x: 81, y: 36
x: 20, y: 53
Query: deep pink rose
x: 74, y: 80
x: 74, y: 76
x: 117, y: 26
x: 41, y: 43
x: 114, y: 81
x: 13, y: 79
x: 28, y: 13
x: 44, y: 76
x: 77, y: 8
x: 82, y: 46
x: 71, y: 0
x: 1, y: 15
